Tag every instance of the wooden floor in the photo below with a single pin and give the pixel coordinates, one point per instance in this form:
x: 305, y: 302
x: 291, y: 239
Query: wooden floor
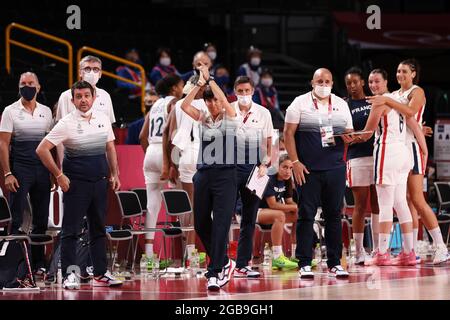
x: 375, y: 283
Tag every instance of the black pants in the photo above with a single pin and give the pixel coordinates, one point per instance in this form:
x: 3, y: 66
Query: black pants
x: 214, y: 191
x: 34, y: 180
x: 324, y: 188
x: 84, y: 199
x: 250, y: 205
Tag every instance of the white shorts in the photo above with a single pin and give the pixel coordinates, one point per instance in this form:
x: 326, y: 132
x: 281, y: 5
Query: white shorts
x: 392, y: 164
x: 360, y: 172
x: 153, y: 163
x: 418, y: 164
x: 188, y: 163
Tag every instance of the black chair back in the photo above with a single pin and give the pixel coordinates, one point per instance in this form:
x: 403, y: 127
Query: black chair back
x: 142, y: 195
x: 5, y: 213
x: 129, y: 204
x: 176, y: 202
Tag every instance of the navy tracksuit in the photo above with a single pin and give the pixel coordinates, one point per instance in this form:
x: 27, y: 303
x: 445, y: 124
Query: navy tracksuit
x: 215, y: 185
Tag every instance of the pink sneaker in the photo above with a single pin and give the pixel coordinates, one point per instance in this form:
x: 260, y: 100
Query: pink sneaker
x: 379, y: 260
x: 404, y: 259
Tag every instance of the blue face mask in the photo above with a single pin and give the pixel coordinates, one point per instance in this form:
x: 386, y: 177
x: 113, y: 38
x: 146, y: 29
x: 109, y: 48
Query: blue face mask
x: 222, y: 80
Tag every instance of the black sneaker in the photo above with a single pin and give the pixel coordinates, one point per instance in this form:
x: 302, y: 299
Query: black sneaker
x: 21, y: 285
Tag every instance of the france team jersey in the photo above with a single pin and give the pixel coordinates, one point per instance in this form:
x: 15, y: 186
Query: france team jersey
x: 303, y: 112
x: 360, y: 110
x: 281, y: 190
x: 27, y: 130
x: 218, y: 141
x: 85, y: 145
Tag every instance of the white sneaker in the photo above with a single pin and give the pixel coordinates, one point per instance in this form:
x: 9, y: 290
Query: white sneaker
x: 338, y: 272
x: 226, y: 273
x: 213, y: 284
x: 72, y: 282
x: 246, y: 272
x: 441, y: 254
x: 360, y: 257
x: 106, y: 280
x: 306, y: 272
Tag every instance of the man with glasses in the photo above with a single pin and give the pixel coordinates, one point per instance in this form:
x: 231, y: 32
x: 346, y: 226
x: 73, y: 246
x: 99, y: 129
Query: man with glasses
x: 90, y: 71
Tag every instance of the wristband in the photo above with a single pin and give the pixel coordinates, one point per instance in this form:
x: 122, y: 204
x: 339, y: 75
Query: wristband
x: 59, y: 175
x: 295, y: 161
x: 9, y: 173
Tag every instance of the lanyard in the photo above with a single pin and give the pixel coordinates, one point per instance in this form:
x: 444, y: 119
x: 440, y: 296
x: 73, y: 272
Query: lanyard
x: 330, y: 109
x: 246, y: 117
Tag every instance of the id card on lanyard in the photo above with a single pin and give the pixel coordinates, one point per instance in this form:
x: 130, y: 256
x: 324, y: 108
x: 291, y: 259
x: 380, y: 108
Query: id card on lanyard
x: 326, y: 132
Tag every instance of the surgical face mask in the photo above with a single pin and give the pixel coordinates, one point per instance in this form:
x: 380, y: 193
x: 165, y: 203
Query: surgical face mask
x: 91, y: 77
x: 27, y: 92
x: 244, y: 100
x: 322, y: 91
x: 266, y: 82
x: 165, y: 61
x: 212, y: 55
x: 255, y: 61
x: 84, y: 114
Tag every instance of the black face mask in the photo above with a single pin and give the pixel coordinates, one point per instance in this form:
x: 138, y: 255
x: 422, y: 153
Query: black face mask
x: 27, y: 92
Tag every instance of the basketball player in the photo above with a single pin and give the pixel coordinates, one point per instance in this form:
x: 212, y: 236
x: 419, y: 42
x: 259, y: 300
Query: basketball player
x: 410, y: 101
x: 170, y: 88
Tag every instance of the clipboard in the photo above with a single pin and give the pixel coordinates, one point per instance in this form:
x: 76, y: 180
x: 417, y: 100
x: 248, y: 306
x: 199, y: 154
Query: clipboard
x: 257, y: 185
x: 355, y: 133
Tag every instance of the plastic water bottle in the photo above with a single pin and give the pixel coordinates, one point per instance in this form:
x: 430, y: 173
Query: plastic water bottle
x: 143, y: 266
x: 59, y: 276
x: 155, y: 265
x: 267, y: 256
x: 194, y: 262
x: 318, y: 254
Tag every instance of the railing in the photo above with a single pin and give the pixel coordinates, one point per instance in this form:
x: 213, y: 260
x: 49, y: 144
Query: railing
x: 113, y: 75
x: 67, y: 60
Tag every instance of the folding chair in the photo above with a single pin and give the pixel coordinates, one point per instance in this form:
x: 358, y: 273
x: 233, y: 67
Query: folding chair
x: 177, y: 204
x: 130, y: 207
x: 5, y: 220
x: 443, y: 195
x: 142, y: 195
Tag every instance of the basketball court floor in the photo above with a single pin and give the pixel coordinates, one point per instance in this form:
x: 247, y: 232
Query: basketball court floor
x: 423, y: 282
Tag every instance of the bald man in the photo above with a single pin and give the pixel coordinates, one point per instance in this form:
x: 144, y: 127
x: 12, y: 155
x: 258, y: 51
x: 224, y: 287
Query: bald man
x: 312, y: 121
x: 24, y: 124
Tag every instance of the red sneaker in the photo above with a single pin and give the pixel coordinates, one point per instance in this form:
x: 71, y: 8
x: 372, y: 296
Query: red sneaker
x: 404, y: 259
x: 381, y: 259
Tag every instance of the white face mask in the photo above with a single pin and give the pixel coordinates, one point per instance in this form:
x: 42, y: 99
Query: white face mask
x: 212, y: 55
x: 91, y: 77
x: 266, y: 82
x: 255, y: 61
x: 322, y: 92
x: 165, y: 61
x: 244, y: 100
x: 84, y: 114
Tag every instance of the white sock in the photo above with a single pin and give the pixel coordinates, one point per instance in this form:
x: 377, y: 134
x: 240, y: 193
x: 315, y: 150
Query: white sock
x: 189, y: 249
x: 293, y: 248
x: 415, y: 235
x: 375, y: 224
x: 277, y: 251
x: 408, y: 242
x: 359, y: 238
x: 149, y: 249
x: 436, y: 234
x: 383, y: 244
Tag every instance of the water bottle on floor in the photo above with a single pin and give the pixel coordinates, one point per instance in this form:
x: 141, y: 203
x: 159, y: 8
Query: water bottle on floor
x: 143, y: 266
x: 267, y: 263
x: 318, y: 254
x: 155, y: 266
x: 194, y: 262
